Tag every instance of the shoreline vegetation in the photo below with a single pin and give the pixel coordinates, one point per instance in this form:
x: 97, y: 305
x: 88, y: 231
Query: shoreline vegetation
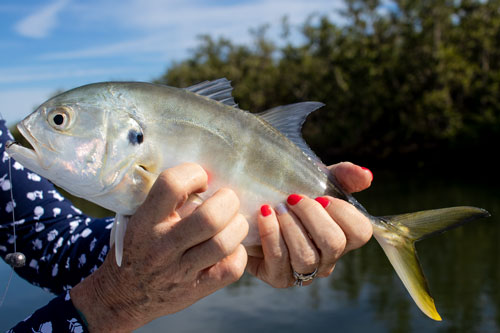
x: 406, y: 84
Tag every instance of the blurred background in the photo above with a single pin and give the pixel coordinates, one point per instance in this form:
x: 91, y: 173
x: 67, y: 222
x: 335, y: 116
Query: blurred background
x: 411, y: 92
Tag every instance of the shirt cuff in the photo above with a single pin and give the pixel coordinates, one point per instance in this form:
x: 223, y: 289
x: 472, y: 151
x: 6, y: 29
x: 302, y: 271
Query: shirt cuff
x: 59, y: 315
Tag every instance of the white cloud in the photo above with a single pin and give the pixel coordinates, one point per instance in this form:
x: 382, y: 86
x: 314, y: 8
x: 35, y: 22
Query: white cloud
x: 155, y: 43
x: 169, y: 28
x: 42, y: 22
x: 154, y: 14
x: 37, y: 73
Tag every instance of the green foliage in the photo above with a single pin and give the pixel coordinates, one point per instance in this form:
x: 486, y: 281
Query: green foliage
x: 399, y: 77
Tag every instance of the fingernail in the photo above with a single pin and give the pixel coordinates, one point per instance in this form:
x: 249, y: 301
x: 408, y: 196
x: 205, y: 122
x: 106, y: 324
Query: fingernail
x: 265, y: 210
x: 293, y: 199
x: 366, y: 169
x: 323, y: 201
x: 209, y: 176
x: 281, y: 209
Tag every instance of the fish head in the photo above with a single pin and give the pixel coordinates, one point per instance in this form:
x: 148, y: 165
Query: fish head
x: 84, y: 140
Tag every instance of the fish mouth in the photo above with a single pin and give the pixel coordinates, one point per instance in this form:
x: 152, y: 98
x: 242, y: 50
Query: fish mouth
x: 26, y: 148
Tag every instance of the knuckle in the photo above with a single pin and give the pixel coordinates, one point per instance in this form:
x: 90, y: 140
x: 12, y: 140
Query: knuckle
x: 208, y: 220
x: 339, y: 245
x: 195, y: 170
x: 332, y: 250
x: 361, y: 235
x: 326, y: 271
x: 233, y: 273
x: 222, y: 247
x: 242, y: 225
x: 229, y: 196
x: 171, y: 183
x: 311, y: 258
x: 277, y: 253
x: 308, y: 261
x: 365, y: 232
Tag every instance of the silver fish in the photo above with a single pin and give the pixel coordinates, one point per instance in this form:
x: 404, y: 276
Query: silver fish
x: 107, y: 142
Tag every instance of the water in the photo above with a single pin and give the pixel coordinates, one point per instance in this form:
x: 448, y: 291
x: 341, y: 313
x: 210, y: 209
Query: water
x: 363, y: 294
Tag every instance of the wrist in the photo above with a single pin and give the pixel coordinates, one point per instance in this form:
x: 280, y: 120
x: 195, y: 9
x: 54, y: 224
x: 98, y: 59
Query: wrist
x: 101, y: 305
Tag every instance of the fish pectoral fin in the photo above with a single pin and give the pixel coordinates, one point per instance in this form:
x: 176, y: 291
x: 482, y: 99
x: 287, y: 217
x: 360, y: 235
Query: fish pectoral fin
x: 397, y: 235
x: 121, y: 222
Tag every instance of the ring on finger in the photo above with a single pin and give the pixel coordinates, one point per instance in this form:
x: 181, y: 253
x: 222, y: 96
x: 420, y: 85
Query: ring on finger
x: 301, y: 278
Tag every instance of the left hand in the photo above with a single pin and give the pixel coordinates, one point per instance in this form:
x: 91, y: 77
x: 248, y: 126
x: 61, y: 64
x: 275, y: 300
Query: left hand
x: 308, y: 234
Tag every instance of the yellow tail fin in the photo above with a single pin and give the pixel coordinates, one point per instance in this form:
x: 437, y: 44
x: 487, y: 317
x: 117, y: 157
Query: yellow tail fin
x: 397, y: 235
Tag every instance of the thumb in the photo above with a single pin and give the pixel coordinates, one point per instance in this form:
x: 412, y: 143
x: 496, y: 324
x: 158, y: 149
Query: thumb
x: 171, y: 190
x: 352, y: 177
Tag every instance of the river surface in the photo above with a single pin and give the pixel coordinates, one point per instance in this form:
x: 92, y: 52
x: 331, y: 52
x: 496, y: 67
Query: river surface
x: 363, y: 294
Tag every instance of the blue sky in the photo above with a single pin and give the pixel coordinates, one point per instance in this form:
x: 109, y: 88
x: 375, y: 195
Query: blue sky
x: 60, y: 44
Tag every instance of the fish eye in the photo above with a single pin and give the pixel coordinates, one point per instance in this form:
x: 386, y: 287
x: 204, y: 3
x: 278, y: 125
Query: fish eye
x: 135, y: 137
x: 59, y: 118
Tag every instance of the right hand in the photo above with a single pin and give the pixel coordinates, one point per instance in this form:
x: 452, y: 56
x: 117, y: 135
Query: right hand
x: 308, y: 236
x: 169, y: 262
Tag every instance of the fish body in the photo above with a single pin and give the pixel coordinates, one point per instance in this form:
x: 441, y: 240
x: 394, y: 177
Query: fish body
x: 107, y: 142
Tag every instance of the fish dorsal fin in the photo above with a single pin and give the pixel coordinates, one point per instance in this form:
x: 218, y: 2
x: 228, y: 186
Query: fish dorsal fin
x: 288, y: 119
x: 219, y: 90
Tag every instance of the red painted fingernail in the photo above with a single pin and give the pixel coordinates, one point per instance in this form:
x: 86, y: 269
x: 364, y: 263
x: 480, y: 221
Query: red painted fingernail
x: 209, y: 176
x: 323, y: 201
x: 366, y: 169
x: 293, y: 199
x: 265, y: 210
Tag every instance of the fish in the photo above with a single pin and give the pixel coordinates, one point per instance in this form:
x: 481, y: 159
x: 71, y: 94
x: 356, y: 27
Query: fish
x: 107, y: 143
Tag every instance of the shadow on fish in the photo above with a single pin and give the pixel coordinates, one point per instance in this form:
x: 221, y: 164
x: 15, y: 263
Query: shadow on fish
x: 108, y: 142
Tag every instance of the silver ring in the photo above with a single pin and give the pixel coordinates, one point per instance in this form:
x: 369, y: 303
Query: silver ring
x: 301, y: 278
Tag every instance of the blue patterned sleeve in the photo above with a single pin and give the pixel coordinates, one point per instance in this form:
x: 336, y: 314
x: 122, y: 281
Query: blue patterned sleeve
x: 62, y: 245
x: 59, y: 315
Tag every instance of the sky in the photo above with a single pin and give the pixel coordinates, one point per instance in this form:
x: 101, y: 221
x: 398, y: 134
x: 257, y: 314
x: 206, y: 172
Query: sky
x: 48, y: 46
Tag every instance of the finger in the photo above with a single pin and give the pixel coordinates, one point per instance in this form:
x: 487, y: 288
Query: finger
x: 355, y: 225
x: 172, y: 188
x: 224, y: 272
x: 216, y: 248
x: 326, y: 234
x: 191, y: 203
x: 352, y: 177
x: 274, y: 268
x: 207, y: 220
x: 303, y: 255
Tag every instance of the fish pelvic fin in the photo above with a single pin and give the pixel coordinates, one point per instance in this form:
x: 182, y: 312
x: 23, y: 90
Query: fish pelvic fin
x: 397, y: 235
x: 118, y: 236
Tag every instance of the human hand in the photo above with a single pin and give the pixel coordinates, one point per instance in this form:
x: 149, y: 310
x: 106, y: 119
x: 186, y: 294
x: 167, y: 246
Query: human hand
x: 308, y: 234
x: 169, y: 262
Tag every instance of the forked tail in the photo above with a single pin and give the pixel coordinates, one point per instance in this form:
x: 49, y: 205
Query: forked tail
x: 397, y: 235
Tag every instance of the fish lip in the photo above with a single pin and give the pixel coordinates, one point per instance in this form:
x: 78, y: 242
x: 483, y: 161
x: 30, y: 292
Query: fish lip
x: 27, y: 135
x: 30, y: 151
